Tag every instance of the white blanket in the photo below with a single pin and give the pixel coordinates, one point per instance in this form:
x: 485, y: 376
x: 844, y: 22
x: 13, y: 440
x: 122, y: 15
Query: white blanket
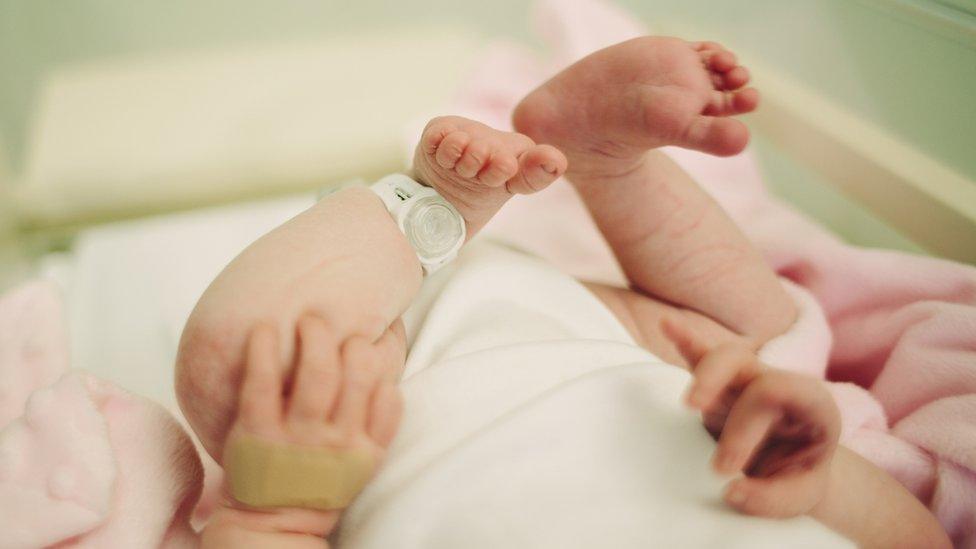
x: 533, y: 420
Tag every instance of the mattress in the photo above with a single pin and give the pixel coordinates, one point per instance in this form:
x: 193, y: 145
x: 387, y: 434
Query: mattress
x: 130, y: 286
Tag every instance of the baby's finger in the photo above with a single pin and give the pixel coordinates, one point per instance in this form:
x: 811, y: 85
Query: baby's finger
x: 746, y: 428
x: 391, y: 349
x: 260, y: 403
x: 386, y: 410
x: 776, y: 497
x: 724, y: 366
x: 317, y: 374
x: 361, y: 371
x: 807, y: 401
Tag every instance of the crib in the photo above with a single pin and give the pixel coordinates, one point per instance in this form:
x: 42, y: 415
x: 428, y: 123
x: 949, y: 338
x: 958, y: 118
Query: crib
x: 176, y: 129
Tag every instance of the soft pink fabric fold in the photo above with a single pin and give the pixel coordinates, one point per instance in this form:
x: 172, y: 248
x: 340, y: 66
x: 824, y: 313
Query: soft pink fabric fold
x: 83, y: 463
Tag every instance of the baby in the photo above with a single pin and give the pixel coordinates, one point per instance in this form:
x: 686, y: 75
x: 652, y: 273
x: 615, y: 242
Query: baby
x: 311, y: 356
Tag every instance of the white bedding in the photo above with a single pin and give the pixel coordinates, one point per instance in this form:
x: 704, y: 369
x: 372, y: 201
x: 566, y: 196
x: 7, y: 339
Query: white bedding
x: 532, y: 420
x: 130, y: 286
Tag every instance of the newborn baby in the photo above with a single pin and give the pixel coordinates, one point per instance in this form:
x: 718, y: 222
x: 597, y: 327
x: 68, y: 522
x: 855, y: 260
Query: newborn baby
x: 299, y: 341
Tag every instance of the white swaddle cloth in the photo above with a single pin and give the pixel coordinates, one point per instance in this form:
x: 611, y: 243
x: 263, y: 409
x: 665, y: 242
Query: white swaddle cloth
x: 533, y: 420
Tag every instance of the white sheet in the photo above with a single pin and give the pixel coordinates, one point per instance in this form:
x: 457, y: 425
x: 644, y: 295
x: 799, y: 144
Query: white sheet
x: 130, y: 286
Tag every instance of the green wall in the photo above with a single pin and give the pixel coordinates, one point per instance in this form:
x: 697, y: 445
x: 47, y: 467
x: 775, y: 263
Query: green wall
x: 910, y: 70
x: 908, y: 66
x: 37, y: 36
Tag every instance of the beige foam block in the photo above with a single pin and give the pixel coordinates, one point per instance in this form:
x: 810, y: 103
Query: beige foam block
x: 154, y: 134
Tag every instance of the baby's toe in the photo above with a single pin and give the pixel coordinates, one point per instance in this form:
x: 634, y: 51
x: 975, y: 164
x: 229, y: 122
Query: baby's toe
x: 451, y: 148
x: 735, y: 78
x: 501, y: 167
x: 475, y: 156
x: 719, y: 60
x: 435, y: 132
x: 706, y: 45
x: 716, y: 135
x: 732, y: 103
x: 746, y: 100
x: 539, y: 166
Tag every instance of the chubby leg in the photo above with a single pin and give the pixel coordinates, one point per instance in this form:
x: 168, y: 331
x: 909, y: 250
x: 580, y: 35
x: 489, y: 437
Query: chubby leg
x: 345, y: 261
x: 607, y: 112
x: 676, y: 244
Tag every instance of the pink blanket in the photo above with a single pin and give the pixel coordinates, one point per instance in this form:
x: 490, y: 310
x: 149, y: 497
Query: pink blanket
x: 83, y: 463
x: 893, y: 332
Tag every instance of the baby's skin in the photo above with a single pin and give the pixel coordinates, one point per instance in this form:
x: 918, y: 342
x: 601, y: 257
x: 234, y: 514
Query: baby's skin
x: 702, y: 296
x: 332, y: 395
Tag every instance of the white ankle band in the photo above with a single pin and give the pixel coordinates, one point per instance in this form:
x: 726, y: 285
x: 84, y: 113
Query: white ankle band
x: 434, y: 227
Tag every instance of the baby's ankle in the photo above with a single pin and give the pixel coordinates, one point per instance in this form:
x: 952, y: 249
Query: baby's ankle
x: 477, y: 168
x: 603, y: 170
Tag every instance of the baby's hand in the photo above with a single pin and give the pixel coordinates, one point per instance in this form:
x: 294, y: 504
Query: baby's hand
x: 778, y: 428
x: 334, y: 395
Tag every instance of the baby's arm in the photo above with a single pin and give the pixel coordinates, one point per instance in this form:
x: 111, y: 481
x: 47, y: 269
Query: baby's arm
x: 675, y: 243
x: 867, y: 505
x: 780, y: 430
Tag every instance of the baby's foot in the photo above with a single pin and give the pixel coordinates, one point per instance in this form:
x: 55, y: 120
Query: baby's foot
x: 334, y: 395
x: 610, y: 107
x: 478, y: 168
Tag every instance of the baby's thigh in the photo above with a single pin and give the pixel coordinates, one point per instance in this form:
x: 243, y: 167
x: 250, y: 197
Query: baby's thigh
x: 209, y: 371
x: 675, y: 334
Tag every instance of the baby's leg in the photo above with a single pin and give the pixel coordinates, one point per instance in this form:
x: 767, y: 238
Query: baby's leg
x: 672, y: 240
x: 345, y: 261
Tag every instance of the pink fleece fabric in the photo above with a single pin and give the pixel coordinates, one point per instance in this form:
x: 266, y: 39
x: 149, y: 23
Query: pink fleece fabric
x: 895, y: 334
x: 83, y: 463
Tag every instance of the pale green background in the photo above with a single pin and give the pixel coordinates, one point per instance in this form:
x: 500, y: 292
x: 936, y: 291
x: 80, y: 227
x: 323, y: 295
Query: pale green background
x: 906, y: 65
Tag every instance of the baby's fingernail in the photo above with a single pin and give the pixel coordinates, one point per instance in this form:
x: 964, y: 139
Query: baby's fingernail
x: 724, y: 463
x: 735, y: 496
